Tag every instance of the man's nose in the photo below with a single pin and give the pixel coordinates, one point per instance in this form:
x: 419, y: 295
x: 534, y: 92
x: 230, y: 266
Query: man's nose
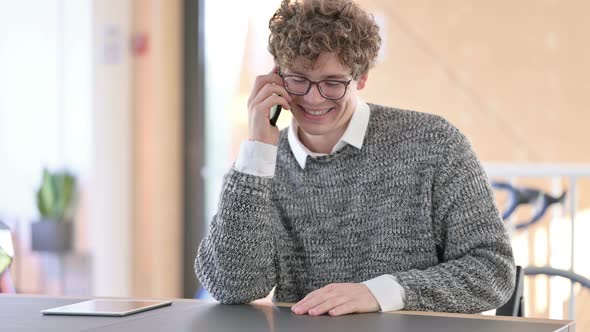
x: 314, y: 96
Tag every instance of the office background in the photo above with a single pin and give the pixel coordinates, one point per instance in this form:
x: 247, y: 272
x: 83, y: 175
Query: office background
x: 144, y: 100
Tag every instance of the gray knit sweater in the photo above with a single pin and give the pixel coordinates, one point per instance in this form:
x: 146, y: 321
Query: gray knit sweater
x: 414, y: 202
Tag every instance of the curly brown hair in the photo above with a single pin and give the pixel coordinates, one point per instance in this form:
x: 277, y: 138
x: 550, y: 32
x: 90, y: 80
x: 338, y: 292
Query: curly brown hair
x: 310, y: 27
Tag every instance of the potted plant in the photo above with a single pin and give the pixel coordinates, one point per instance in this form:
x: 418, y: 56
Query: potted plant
x: 55, y: 200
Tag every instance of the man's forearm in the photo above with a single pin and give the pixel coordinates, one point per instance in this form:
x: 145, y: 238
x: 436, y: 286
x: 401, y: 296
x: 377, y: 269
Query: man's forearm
x: 235, y: 261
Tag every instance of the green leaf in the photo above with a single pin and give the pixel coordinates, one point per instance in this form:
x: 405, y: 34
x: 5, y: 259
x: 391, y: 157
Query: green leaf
x: 46, y: 196
x: 56, y: 195
x: 69, y: 191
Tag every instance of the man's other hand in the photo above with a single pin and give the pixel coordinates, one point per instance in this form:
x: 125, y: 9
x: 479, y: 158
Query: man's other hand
x: 336, y: 300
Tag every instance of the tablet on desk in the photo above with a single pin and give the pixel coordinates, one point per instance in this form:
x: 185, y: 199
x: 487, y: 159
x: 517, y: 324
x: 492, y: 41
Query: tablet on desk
x: 104, y: 307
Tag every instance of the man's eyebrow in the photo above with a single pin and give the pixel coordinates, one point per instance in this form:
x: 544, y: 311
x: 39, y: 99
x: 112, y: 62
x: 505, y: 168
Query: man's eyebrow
x: 327, y: 77
x: 338, y: 76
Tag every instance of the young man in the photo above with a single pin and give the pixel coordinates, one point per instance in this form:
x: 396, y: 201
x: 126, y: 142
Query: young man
x: 356, y: 207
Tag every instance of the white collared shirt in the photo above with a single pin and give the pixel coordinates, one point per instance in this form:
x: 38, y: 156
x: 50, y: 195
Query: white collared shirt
x: 353, y: 135
x: 259, y: 159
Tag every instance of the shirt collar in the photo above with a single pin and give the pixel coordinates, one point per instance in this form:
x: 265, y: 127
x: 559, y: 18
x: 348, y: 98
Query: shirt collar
x: 353, y: 135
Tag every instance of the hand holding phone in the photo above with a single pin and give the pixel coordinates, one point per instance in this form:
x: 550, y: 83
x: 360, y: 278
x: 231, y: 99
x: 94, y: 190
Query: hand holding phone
x: 266, y: 101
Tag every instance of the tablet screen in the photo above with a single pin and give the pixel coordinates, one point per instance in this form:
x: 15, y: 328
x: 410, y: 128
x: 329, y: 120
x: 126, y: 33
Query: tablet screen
x: 104, y: 307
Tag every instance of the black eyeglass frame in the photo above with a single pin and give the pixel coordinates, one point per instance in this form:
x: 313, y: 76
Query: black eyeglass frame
x: 346, y: 84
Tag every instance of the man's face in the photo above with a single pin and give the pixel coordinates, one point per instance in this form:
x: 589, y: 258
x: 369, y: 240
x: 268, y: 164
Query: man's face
x: 316, y: 115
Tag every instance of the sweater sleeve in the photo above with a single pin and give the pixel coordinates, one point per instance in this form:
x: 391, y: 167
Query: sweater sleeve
x: 477, y: 270
x: 235, y: 261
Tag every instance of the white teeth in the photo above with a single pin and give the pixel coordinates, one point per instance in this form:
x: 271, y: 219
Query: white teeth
x: 317, y: 113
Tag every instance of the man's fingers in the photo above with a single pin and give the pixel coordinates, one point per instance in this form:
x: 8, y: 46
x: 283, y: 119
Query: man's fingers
x: 304, y: 307
x: 268, y: 90
x: 315, y: 298
x: 310, y: 296
x: 271, y: 101
x: 343, y: 309
x: 327, y: 305
x: 261, y: 81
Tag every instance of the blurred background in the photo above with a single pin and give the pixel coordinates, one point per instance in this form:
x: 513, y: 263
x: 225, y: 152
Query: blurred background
x: 143, y: 103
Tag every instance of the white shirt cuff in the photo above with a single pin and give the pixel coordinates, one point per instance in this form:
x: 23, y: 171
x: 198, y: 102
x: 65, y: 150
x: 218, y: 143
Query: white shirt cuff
x: 257, y: 158
x: 389, y: 293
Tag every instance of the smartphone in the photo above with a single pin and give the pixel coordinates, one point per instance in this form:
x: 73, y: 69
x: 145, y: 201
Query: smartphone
x: 275, y: 111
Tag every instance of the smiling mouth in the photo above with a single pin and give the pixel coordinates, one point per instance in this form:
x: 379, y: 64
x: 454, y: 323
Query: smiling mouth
x: 316, y: 112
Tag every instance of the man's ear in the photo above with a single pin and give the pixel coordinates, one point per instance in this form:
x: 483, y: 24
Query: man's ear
x: 362, y: 81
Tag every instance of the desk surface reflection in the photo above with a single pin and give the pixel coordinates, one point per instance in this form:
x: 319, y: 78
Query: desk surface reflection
x: 21, y: 313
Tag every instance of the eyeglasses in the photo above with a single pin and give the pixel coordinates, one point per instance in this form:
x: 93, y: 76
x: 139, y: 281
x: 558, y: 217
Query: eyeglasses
x: 329, y: 89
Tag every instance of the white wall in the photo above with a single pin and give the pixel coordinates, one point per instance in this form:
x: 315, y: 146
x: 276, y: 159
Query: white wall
x: 65, y: 102
x: 29, y: 112
x: 111, y: 215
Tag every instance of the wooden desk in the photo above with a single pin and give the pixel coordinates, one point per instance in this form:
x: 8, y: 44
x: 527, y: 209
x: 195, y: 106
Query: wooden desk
x: 22, y: 313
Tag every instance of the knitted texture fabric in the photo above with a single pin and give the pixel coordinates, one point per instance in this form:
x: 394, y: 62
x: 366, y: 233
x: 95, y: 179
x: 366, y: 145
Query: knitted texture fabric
x: 414, y: 202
